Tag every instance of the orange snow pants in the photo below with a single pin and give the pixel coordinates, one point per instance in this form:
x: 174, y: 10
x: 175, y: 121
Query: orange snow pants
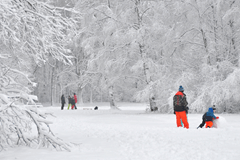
x: 209, y: 124
x: 182, y: 115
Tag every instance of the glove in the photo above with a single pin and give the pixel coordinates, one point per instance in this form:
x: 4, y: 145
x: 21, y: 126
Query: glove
x: 217, y: 117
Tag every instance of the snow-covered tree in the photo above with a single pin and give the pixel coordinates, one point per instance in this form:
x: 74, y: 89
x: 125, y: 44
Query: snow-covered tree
x: 31, y: 32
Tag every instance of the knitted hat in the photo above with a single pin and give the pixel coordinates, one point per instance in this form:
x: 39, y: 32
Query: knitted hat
x: 181, y: 88
x: 214, y: 108
x: 210, y: 110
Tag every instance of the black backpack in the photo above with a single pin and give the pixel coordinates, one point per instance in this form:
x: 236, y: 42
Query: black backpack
x: 180, y: 103
x: 178, y: 100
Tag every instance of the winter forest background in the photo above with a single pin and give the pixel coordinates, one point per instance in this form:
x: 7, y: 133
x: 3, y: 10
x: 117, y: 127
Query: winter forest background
x: 122, y: 51
x: 113, y: 51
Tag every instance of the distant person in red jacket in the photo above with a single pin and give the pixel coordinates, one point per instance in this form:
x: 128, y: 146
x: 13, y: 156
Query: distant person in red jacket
x: 180, y: 107
x: 75, y: 99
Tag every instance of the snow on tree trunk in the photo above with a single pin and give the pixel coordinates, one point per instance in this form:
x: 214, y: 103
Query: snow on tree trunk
x: 143, y: 53
x: 111, y: 98
x: 52, y: 86
x: 80, y: 95
x: 91, y: 95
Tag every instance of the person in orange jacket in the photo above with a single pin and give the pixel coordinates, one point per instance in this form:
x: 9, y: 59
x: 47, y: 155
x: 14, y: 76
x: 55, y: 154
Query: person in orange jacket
x: 209, y: 118
x: 180, y: 108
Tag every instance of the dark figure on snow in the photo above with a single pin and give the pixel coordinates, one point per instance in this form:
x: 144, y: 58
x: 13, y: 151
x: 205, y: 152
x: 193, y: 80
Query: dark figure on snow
x: 62, y: 101
x: 75, y: 99
x: 208, y: 118
x: 180, y: 108
x: 153, y: 106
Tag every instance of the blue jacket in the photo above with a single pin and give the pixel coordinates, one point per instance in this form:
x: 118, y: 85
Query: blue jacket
x: 210, y: 115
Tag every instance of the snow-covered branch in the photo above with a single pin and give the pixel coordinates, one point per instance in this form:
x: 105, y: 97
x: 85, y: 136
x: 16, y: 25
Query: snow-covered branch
x: 17, y: 128
x: 37, y: 29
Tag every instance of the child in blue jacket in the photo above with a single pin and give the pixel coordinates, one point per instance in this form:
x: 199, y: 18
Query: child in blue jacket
x: 209, y: 118
x: 204, y: 117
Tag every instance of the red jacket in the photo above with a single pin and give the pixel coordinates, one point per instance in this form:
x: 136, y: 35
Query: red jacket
x: 75, y: 98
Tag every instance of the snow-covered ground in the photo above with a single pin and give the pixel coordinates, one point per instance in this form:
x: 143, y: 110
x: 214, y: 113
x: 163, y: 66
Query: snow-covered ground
x: 132, y: 134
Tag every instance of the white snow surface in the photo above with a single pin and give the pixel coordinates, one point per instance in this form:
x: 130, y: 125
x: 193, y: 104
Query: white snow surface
x: 133, y: 134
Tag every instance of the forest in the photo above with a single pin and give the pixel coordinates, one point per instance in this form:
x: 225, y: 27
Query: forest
x: 122, y: 51
x: 113, y: 51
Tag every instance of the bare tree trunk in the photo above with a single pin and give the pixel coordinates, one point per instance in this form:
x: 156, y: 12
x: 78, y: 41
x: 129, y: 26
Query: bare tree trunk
x: 218, y: 57
x: 51, y: 85
x: 101, y: 96
x: 109, y: 4
x: 143, y: 53
x: 111, y: 96
x: 205, y: 44
x: 80, y: 95
x: 91, y: 95
x: 61, y: 92
x: 233, y: 48
x: 204, y: 37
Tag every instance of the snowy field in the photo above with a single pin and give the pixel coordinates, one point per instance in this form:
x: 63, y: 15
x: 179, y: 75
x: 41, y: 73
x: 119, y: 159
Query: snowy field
x: 132, y: 134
